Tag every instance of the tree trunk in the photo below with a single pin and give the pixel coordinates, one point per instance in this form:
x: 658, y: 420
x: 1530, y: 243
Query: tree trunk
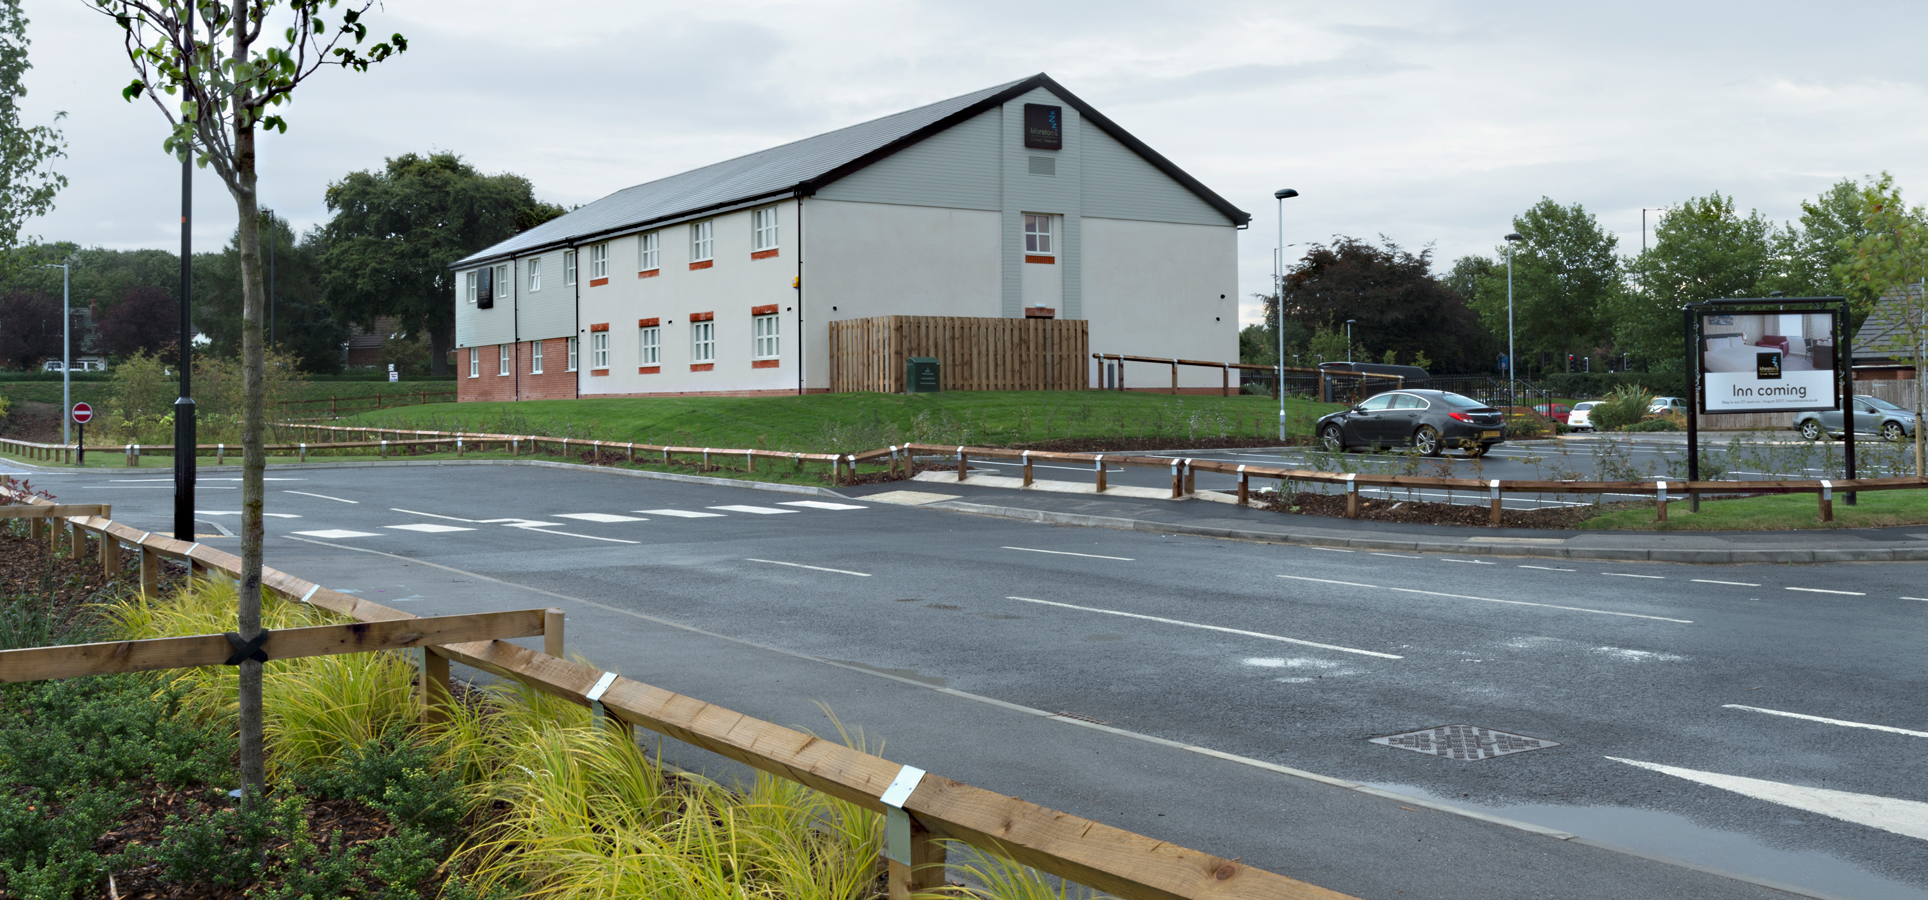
x: 254, y: 460
x: 440, y: 341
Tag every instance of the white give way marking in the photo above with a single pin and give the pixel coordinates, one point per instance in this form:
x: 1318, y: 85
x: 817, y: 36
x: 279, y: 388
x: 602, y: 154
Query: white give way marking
x: 1907, y: 817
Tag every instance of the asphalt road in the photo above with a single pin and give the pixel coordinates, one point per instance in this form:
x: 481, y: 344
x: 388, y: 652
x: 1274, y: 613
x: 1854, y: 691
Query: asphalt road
x: 1752, y: 719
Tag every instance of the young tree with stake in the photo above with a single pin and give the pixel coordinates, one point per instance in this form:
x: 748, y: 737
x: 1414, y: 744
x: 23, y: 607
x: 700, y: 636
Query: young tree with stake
x: 1890, y: 257
x: 217, y: 70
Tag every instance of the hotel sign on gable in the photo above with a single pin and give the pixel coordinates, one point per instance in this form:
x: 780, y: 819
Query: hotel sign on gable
x: 1043, y: 127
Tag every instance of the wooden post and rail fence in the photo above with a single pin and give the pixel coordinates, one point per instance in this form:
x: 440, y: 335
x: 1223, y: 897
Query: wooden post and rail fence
x: 935, y: 808
x: 1226, y: 387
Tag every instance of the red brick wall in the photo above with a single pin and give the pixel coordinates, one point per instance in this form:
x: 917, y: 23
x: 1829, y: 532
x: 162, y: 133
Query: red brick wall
x: 555, y: 383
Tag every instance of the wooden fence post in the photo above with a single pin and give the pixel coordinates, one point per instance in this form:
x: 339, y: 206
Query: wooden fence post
x: 552, y: 630
x: 133, y: 455
x: 1101, y: 473
x: 1178, y: 478
x: 926, y: 869
x: 1225, y: 381
x: 77, y: 538
x: 110, y: 561
x: 1827, y: 500
x: 433, y: 689
x: 1352, y: 496
x: 1027, y: 468
x: 34, y: 528
x: 962, y: 463
x: 1191, y: 478
x: 1494, y: 499
x: 1660, y: 508
x: 1244, y: 487
x: 1174, y: 377
x: 150, y: 572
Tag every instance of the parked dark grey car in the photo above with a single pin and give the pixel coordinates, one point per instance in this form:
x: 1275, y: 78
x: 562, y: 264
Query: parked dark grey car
x: 1429, y: 421
x: 1872, y: 415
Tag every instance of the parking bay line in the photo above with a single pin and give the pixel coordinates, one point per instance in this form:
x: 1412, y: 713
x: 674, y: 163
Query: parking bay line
x: 1239, y: 631
x: 1826, y: 591
x: 1069, y: 553
x: 1599, y: 612
x: 322, y: 496
x: 776, y: 562
x: 1841, y: 722
x: 1728, y: 583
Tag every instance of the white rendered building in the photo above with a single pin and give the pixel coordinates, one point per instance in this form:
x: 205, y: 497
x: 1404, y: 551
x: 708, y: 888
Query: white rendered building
x: 1011, y: 201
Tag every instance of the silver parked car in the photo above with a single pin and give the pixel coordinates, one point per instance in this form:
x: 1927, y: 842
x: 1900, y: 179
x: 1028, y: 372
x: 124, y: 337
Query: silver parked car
x: 1872, y: 415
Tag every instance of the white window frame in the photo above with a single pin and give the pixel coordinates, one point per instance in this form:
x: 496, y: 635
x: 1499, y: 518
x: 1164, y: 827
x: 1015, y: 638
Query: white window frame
x: 469, y: 286
x: 505, y: 366
x: 535, y: 357
x: 505, y: 283
x: 702, y: 342
x: 572, y: 354
x: 763, y: 229
x: 1038, y: 234
x: 649, y: 345
x: 599, y: 261
x: 475, y: 362
x: 765, y: 341
x: 703, y: 240
x: 568, y: 268
x: 649, y: 252
x: 599, y: 350
x: 535, y: 274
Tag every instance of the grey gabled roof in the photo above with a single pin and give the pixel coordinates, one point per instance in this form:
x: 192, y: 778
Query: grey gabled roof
x: 1882, y: 335
x: 801, y: 167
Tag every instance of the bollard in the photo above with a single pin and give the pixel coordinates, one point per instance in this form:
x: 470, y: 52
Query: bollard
x: 1101, y: 473
x: 1494, y: 499
x: 1827, y: 500
x: 1027, y: 468
x: 220, y: 453
x: 458, y: 446
x: 304, y: 452
x: 1660, y: 508
x: 1244, y: 487
x: 384, y: 452
x: 1352, y: 496
x: 962, y: 463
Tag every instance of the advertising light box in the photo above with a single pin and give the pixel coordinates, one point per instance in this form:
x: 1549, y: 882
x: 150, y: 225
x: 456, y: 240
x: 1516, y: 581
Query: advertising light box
x: 1767, y: 362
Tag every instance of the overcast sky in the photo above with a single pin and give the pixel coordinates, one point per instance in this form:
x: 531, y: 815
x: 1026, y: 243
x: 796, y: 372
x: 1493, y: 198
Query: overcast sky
x: 1428, y: 122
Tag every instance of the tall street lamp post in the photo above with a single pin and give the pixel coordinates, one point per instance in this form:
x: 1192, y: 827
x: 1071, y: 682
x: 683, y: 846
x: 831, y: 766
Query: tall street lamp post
x: 184, y: 404
x: 66, y: 354
x: 1278, y: 292
x: 1511, y: 239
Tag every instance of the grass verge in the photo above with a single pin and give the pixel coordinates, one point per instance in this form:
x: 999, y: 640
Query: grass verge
x: 1782, y: 512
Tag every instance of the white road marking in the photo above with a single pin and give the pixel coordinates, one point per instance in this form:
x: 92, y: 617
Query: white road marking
x: 681, y: 513
x: 1906, y: 817
x: 335, y: 534
x: 1630, y: 575
x: 1841, y: 722
x: 543, y: 528
x: 1924, y: 599
x: 425, y: 528
x: 1600, y: 612
x: 1398, y: 555
x: 1332, y: 549
x: 1476, y: 562
x: 434, y: 516
x: 1826, y: 591
x: 236, y: 512
x: 1549, y: 569
x: 1239, y: 631
x: 819, y: 504
x: 759, y: 510
x: 1328, y: 581
x: 1729, y: 583
x: 599, y: 517
x: 1069, y: 553
x: 322, y: 496
x: 802, y: 566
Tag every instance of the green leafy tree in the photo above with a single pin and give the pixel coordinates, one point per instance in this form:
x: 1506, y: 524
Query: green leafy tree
x: 218, y: 72
x: 1392, y: 294
x: 28, y: 182
x: 100, y: 277
x: 302, y: 325
x: 1703, y: 250
x: 394, y: 233
x: 1889, y: 260
x: 1566, y: 276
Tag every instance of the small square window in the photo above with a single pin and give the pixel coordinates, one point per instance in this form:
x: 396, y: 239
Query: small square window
x: 569, y: 268
x: 702, y: 242
x: 1037, y: 234
x: 535, y: 357
x: 702, y: 342
x: 764, y: 340
x: 650, y: 255
x: 650, y: 346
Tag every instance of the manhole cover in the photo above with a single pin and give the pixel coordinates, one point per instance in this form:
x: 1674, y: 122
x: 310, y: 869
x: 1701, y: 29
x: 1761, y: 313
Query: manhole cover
x: 1464, y: 742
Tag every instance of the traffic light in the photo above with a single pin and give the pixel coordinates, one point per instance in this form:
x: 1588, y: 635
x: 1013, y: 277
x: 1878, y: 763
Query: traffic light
x: 1569, y: 362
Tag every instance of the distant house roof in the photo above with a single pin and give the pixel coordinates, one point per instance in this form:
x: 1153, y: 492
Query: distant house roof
x: 801, y: 167
x: 1881, y: 336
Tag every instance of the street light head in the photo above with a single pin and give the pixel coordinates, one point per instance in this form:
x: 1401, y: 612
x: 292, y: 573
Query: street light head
x: 1514, y: 236
x: 1350, y: 321
x: 1284, y: 193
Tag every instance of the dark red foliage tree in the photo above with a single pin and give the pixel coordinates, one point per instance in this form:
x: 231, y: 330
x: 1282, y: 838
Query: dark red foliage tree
x: 30, y: 329
x: 146, y: 319
x: 1393, y: 295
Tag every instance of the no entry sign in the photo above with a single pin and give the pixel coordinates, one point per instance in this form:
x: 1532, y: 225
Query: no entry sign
x: 83, y: 413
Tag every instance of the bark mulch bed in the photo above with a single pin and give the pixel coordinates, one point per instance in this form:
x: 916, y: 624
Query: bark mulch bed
x: 1425, y: 513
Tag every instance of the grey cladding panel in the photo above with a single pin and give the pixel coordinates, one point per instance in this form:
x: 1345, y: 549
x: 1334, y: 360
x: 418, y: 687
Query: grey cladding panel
x: 956, y: 168
x: 550, y: 312
x: 1120, y: 184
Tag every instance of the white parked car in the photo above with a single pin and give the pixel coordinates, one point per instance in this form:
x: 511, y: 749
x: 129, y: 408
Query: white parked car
x: 1667, y: 405
x: 1578, y: 419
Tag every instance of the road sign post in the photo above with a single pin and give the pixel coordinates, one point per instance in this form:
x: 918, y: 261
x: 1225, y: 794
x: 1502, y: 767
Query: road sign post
x: 82, y: 413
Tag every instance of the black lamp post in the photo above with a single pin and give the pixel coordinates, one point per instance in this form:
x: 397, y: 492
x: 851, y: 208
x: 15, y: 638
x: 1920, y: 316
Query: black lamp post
x: 184, y: 405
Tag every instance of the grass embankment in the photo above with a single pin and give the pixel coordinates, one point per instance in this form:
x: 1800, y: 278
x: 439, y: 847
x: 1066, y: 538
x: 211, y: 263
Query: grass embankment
x: 842, y: 423
x: 1782, y: 512
x: 98, y: 393
x: 519, y: 795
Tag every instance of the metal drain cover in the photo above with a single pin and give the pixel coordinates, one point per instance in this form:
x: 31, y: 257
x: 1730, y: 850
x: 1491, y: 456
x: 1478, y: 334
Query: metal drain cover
x: 1468, y: 742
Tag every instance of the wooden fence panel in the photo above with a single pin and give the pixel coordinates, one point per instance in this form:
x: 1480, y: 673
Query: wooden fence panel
x: 977, y: 353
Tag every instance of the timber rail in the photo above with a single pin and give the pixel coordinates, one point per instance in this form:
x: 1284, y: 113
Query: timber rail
x: 1225, y: 369
x: 933, y: 808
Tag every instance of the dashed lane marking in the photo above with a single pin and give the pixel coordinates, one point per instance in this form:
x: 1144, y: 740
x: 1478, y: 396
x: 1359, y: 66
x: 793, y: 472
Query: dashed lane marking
x: 758, y: 510
x: 236, y: 512
x: 1826, y: 591
x: 1398, y: 555
x: 322, y: 496
x: 1823, y: 719
x: 1728, y: 583
x: 819, y: 504
x: 1631, y: 575
x: 1476, y: 562
x: 1332, y: 549
x: 1069, y: 553
x: 1597, y: 612
x: 776, y: 562
x: 1238, y: 631
x: 1328, y: 581
x: 423, y: 527
x: 681, y: 513
x: 1549, y: 568
x: 599, y: 517
x: 336, y: 534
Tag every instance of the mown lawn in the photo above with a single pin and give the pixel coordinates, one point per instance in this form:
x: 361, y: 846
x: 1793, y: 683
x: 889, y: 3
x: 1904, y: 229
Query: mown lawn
x: 1784, y: 512
x: 860, y: 421
x: 98, y: 392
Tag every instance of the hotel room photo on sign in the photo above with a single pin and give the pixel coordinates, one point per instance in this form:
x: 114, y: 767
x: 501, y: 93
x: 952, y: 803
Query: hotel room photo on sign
x: 1763, y: 362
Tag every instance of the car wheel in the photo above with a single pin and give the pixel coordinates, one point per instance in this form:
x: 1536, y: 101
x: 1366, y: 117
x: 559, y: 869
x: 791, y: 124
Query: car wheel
x: 1810, y: 429
x: 1334, y: 441
x: 1892, y: 431
x: 1426, y: 441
